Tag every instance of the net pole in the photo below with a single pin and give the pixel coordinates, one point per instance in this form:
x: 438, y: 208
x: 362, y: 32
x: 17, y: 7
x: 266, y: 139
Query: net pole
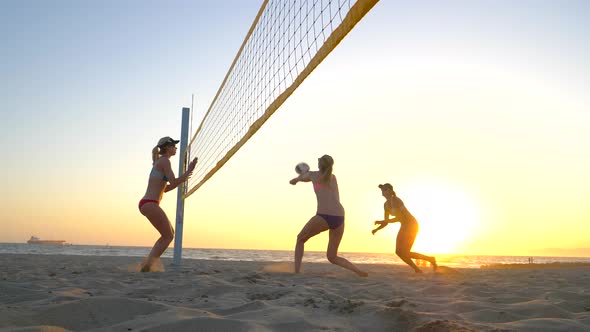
x: 182, y: 187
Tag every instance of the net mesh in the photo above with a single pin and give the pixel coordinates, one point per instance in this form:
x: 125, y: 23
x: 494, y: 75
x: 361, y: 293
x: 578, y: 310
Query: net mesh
x: 287, y: 40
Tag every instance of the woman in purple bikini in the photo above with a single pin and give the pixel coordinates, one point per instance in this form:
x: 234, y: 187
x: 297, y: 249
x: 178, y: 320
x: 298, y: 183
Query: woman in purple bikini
x: 329, y: 216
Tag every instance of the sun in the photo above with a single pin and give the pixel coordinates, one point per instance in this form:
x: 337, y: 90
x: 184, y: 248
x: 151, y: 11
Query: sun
x: 447, y: 214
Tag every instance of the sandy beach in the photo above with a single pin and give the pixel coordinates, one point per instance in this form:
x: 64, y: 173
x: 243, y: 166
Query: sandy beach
x: 77, y: 293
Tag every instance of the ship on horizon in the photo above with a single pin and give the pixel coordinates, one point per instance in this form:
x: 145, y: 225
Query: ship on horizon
x: 36, y: 240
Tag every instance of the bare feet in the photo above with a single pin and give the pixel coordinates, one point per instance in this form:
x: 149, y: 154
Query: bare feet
x: 417, y: 270
x: 433, y: 264
x: 145, y: 268
x: 363, y: 274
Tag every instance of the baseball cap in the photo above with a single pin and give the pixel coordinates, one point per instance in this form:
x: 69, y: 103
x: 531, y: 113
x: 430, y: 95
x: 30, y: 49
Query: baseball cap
x: 165, y: 141
x: 386, y: 186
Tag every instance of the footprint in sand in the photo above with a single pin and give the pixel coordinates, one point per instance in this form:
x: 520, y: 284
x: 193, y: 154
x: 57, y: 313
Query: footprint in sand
x: 268, y: 296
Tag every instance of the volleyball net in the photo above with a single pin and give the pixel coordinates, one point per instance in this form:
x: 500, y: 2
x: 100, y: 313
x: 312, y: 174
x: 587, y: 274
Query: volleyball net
x: 286, y: 42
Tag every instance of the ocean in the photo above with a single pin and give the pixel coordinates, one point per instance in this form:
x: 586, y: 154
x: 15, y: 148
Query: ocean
x: 466, y: 261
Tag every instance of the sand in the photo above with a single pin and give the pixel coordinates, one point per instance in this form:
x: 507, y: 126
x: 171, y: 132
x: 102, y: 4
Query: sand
x: 78, y: 293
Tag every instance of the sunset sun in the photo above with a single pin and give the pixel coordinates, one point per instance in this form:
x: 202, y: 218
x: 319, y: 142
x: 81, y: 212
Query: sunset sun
x: 447, y: 215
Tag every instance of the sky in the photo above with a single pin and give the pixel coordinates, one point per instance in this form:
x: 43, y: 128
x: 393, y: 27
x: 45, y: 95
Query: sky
x: 476, y: 112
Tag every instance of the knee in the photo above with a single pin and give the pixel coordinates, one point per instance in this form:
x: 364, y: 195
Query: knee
x: 331, y: 258
x: 302, y: 238
x: 401, y: 253
x: 168, y: 237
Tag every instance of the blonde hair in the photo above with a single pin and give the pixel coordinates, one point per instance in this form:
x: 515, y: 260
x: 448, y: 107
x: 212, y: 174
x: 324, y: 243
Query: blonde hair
x: 160, y: 149
x: 155, y: 154
x: 326, y: 170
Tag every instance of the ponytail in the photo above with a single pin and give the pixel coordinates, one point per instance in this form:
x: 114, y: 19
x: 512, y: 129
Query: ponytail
x: 155, y: 154
x: 326, y: 174
x: 326, y: 168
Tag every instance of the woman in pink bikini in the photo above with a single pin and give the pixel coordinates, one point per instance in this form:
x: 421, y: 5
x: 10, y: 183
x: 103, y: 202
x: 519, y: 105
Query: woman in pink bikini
x: 161, y: 180
x: 330, y: 215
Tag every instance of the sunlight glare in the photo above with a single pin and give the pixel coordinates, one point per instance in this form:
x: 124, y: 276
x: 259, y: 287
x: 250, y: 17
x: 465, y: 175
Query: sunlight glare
x: 447, y: 216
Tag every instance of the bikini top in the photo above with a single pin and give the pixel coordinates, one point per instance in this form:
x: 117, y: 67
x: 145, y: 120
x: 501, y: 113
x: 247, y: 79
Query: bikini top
x: 318, y: 185
x: 157, y: 174
x: 398, y: 204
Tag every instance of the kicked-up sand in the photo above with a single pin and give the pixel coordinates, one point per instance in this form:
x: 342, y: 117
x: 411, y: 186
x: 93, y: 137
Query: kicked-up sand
x: 79, y: 293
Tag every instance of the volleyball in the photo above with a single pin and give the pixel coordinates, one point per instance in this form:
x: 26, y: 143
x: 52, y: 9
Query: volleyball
x: 302, y: 168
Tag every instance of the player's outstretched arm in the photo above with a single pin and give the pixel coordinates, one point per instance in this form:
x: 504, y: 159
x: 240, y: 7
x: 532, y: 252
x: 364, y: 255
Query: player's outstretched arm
x: 305, y: 177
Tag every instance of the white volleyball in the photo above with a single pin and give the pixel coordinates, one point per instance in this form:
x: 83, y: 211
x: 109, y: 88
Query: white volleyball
x: 302, y: 168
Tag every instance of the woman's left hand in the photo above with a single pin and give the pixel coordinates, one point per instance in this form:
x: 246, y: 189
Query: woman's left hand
x: 192, y: 165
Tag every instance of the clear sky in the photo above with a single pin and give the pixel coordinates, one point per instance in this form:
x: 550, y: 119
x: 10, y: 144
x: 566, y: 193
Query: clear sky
x: 476, y: 111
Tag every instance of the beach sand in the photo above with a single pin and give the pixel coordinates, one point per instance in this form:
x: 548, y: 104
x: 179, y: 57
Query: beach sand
x: 60, y: 293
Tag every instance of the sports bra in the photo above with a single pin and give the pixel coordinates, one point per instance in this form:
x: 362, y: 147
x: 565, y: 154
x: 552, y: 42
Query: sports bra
x: 157, y: 174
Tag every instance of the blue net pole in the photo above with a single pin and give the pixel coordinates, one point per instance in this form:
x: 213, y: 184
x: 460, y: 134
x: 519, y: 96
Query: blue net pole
x: 182, y: 188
